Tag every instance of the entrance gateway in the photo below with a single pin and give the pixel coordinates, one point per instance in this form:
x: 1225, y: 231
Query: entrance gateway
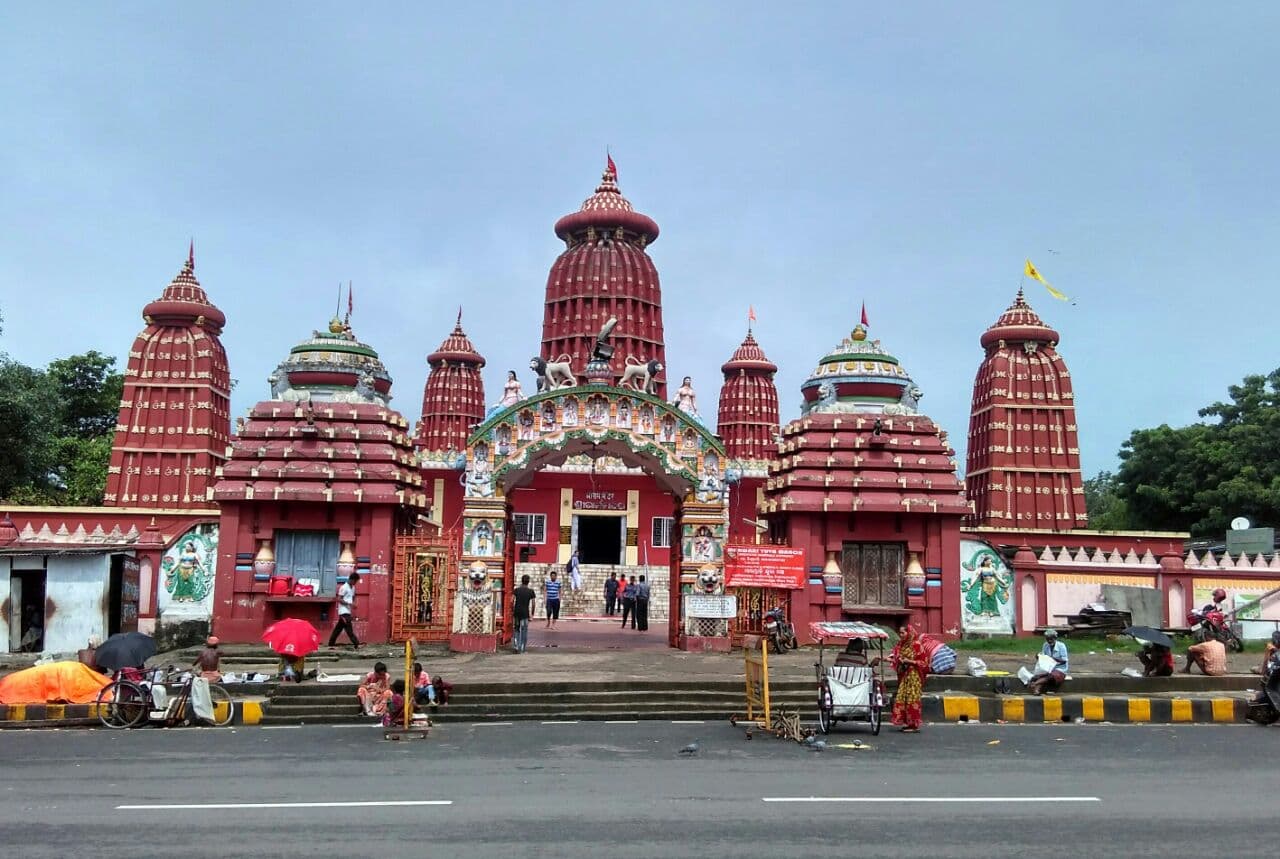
x: 641, y: 431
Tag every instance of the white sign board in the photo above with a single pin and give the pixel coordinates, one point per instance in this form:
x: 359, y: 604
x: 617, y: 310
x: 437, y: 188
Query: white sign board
x: 722, y: 606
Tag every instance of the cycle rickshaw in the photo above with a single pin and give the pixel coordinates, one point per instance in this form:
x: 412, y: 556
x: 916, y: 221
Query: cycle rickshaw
x: 851, y: 689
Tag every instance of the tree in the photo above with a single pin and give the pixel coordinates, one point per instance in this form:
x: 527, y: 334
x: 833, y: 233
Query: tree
x: 28, y: 427
x: 1199, y: 477
x: 90, y: 393
x: 1107, y: 511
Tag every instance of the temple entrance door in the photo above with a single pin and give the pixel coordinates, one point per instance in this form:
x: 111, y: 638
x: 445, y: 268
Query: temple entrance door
x: 423, y: 588
x: 601, y: 539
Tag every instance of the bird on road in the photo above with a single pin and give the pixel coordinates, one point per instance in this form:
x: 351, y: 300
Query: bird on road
x: 690, y: 750
x: 819, y: 746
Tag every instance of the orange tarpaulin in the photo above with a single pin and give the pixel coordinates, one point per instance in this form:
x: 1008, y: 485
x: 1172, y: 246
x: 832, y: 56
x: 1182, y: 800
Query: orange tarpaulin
x: 57, y: 682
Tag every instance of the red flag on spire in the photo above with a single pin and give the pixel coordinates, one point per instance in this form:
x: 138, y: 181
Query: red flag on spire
x: 191, y: 254
x: 751, y: 312
x: 613, y: 168
x: 350, y: 306
x: 865, y: 323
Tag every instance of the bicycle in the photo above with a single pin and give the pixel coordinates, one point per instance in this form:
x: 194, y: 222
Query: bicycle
x: 127, y: 702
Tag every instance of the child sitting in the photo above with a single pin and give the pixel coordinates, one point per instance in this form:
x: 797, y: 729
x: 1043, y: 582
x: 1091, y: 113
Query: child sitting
x: 424, y: 691
x: 395, y: 710
x: 443, y: 690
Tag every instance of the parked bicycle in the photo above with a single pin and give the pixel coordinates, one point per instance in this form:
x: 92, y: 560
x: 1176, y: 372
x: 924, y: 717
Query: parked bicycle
x: 133, y: 698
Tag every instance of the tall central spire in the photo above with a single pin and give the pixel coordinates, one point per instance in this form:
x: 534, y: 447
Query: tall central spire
x: 605, y: 271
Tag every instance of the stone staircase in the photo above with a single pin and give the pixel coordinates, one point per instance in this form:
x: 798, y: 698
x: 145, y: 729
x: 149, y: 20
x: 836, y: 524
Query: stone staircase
x: 321, y: 703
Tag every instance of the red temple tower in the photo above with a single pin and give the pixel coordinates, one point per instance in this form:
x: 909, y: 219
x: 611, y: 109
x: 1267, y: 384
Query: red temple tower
x: 748, y: 419
x: 605, y: 272
x: 453, y: 399
x: 1023, y: 466
x: 175, y: 414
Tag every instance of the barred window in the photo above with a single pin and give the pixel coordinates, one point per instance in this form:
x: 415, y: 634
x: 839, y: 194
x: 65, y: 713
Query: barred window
x: 662, y: 528
x: 531, y: 527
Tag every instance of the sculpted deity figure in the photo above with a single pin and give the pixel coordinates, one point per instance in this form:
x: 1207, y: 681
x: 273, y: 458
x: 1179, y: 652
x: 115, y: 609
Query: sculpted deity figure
x: 686, y: 399
x: 511, y: 391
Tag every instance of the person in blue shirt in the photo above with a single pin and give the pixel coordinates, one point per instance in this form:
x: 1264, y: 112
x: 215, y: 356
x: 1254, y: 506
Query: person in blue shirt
x: 551, y: 588
x: 1049, y: 681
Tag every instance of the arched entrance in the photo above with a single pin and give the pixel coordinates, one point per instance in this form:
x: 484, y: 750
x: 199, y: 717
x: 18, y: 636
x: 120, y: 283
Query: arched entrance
x: 638, y: 430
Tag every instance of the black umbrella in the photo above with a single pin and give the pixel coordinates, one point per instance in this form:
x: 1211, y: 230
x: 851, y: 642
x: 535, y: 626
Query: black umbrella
x: 1154, y: 636
x: 125, y: 650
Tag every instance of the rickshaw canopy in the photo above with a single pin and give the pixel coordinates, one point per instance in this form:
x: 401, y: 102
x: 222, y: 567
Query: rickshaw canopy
x: 819, y: 630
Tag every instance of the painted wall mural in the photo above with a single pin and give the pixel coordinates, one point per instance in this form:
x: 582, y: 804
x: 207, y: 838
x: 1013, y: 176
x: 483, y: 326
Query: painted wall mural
x: 186, y: 575
x: 986, y: 589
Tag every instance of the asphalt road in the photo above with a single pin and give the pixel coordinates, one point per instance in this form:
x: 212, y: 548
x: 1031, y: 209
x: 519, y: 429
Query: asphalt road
x: 621, y: 790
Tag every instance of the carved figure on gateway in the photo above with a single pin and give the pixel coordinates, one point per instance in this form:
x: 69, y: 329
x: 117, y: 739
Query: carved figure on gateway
x: 641, y: 375
x: 553, y: 374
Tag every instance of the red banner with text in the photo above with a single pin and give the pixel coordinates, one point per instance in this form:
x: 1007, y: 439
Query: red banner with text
x: 764, y: 567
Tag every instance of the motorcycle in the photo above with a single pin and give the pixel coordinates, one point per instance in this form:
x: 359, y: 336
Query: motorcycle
x: 779, y: 630
x: 1265, y: 707
x: 1210, y: 622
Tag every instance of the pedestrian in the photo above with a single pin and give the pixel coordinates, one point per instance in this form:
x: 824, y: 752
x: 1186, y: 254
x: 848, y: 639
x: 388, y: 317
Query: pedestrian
x: 346, y: 608
x: 629, y: 603
x: 551, y: 589
x: 395, y: 706
x: 1210, y: 655
x: 642, y: 605
x: 610, y: 594
x: 1048, y: 681
x: 521, y: 612
x: 575, y: 571
x: 444, y: 691
x: 424, y: 691
x: 1157, y: 660
x: 908, y: 660
x: 207, y: 660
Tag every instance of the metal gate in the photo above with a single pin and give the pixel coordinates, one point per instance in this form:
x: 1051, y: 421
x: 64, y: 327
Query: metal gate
x: 752, y: 605
x: 423, y: 587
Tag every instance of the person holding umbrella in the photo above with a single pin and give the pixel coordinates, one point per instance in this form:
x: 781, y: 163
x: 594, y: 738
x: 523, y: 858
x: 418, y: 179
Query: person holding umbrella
x: 1156, y: 655
x: 125, y: 650
x: 293, y: 639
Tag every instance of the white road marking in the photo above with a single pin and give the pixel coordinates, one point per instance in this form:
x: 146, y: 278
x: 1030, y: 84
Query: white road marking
x: 253, y: 805
x: 281, y: 727
x: 562, y: 722
x: 931, y: 799
x: 622, y: 721
x: 688, y: 721
x: 493, y: 724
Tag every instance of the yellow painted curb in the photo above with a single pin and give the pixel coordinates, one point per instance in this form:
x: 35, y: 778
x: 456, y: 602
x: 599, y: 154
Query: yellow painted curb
x: 1180, y: 710
x: 1224, y: 710
x: 53, y: 712
x: 1015, y: 710
x: 1139, y: 710
x: 1053, y: 709
x: 250, y: 712
x: 1092, y: 709
x: 17, y: 712
x: 955, y: 707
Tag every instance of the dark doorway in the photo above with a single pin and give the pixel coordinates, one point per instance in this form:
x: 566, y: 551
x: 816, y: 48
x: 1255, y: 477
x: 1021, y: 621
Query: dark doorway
x: 600, y: 539
x: 114, y: 595
x: 26, y: 620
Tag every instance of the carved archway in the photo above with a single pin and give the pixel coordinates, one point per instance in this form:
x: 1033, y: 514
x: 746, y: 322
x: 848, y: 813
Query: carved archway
x: 684, y: 457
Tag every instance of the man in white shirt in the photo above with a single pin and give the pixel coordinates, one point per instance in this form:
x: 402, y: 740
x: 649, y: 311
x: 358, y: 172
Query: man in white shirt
x: 346, y: 604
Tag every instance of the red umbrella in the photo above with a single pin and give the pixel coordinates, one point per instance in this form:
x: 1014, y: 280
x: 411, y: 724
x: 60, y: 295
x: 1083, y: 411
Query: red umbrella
x: 292, y: 637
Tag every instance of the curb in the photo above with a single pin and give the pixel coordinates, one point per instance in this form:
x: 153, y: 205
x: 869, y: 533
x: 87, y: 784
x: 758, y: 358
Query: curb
x: 248, y: 712
x: 1118, y: 709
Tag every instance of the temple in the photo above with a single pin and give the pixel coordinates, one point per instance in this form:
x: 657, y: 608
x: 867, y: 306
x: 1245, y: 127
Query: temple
x: 600, y: 452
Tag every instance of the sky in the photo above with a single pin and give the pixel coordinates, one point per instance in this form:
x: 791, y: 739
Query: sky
x: 801, y: 158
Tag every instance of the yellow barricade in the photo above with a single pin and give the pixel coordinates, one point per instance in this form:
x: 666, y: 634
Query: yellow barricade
x: 757, y: 673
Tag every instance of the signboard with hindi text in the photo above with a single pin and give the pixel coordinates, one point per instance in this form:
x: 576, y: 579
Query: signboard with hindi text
x: 718, y: 606
x: 764, y: 567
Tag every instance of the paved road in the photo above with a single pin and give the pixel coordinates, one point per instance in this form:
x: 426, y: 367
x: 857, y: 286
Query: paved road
x: 568, y: 790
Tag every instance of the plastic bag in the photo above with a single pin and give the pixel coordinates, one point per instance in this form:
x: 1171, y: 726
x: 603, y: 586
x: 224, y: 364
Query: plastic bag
x: 1024, y: 674
x: 977, y: 668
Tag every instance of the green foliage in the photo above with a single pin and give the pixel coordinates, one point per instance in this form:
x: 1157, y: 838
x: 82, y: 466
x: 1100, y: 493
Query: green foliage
x: 56, y: 429
x: 1198, y: 477
x: 1107, y: 510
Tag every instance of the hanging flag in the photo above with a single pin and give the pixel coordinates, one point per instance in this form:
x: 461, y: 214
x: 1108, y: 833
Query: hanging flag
x: 1031, y: 272
x: 613, y: 168
x: 350, y: 306
x: 751, y: 312
x: 865, y: 323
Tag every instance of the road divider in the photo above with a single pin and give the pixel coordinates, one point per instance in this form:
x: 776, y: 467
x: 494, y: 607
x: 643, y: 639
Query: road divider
x: 1119, y: 709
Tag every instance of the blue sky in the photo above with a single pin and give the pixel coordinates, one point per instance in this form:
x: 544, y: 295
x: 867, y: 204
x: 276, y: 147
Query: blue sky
x: 800, y: 159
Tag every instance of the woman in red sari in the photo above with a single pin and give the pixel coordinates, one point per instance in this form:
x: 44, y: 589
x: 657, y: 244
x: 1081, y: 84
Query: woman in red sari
x: 909, y: 661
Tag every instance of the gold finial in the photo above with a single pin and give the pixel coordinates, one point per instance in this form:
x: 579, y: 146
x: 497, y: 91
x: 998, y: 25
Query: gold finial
x: 859, y: 334
x: 335, y: 326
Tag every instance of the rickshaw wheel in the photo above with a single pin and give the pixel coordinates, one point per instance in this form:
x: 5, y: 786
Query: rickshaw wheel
x: 825, y: 720
x: 877, y: 709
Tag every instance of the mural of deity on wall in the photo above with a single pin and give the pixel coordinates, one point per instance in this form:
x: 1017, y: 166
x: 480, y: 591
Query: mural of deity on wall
x: 646, y: 420
x: 668, y: 430
x: 481, y: 452
x: 504, y: 440
x: 548, y: 416
x: 597, y: 411
x: 481, y: 541
x: 704, y: 547
x: 569, y: 417
x: 986, y: 588
x: 186, y: 572
x: 690, y: 440
x: 710, y: 485
x: 525, y: 424
x: 624, y: 414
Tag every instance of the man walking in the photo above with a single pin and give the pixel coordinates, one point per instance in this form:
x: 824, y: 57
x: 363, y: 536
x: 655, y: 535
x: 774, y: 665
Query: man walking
x: 575, y: 572
x: 629, y: 603
x: 521, y: 610
x: 551, y: 587
x: 346, y: 605
x: 610, y: 594
x: 642, y: 605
